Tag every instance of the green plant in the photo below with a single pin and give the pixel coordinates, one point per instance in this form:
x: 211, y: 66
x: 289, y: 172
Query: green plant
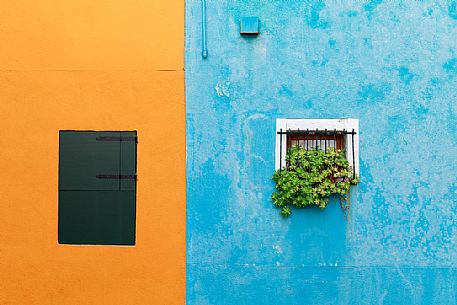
x: 310, y: 178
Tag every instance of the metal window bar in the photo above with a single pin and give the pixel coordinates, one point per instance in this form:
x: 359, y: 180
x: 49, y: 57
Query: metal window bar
x: 298, y: 139
x: 353, y: 153
x: 280, y: 149
x: 316, y: 143
x: 306, y: 137
x: 317, y: 137
x: 325, y: 141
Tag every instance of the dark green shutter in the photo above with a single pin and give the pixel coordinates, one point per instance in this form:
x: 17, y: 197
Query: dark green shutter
x: 97, y: 187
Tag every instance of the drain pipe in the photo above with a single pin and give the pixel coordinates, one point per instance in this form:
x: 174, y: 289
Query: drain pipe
x: 204, y: 43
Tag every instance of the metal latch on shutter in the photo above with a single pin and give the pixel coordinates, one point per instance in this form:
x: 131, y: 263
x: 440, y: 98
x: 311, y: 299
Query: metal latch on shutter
x: 120, y: 139
x: 132, y: 177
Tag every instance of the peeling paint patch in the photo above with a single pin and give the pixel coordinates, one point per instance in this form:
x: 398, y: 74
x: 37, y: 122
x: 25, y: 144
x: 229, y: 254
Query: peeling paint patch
x: 452, y: 123
x: 452, y: 9
x: 352, y: 13
x: 421, y: 111
x: 431, y: 88
x: 451, y: 66
x: 319, y: 63
x: 373, y: 93
x: 223, y: 89
x: 313, y: 15
x: 308, y: 104
x: 405, y: 75
x: 277, y: 249
x: 367, y: 42
x: 371, y: 5
x: 284, y: 90
x: 430, y: 11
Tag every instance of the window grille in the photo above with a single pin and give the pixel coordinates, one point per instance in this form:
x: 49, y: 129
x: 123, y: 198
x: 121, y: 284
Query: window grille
x: 318, y: 139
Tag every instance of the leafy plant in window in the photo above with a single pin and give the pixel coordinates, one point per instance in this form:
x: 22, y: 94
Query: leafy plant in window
x: 310, y: 178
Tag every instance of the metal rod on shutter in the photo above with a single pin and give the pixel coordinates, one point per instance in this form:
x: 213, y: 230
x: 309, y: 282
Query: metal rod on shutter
x: 334, y: 139
x: 120, y: 177
x: 280, y: 149
x: 353, y: 155
x: 119, y: 139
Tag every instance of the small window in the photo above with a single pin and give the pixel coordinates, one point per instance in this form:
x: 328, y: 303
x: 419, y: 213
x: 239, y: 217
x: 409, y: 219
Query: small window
x: 323, y: 139
x: 321, y: 134
x: 97, y: 187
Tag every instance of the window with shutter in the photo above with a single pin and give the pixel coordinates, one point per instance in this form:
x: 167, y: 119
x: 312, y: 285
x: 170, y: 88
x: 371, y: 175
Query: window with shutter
x: 97, y: 187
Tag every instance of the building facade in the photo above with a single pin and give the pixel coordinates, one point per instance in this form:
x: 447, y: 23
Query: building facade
x: 91, y: 65
x: 391, y: 65
x: 205, y: 228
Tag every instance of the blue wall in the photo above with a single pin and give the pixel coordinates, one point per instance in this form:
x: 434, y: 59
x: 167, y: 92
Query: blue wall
x: 392, y: 65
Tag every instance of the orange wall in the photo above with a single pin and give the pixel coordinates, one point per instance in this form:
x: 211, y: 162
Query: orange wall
x: 104, y: 65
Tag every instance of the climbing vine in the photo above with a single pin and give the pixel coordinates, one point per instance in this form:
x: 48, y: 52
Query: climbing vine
x: 310, y: 178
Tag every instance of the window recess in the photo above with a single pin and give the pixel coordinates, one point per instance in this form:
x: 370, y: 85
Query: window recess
x: 323, y: 134
x: 97, y: 187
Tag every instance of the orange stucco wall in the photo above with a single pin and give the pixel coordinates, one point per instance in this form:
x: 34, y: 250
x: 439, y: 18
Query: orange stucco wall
x: 102, y: 65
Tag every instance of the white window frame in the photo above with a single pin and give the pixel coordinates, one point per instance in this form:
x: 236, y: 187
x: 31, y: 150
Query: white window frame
x: 320, y: 124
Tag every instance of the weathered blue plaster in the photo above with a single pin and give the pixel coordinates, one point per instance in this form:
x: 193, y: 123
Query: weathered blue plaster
x: 371, y: 5
x: 452, y: 9
x: 390, y: 64
x: 313, y: 14
x: 405, y: 75
x: 451, y: 66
